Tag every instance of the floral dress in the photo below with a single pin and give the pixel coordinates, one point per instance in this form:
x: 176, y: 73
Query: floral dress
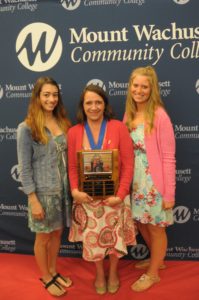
x: 57, y: 206
x: 103, y: 229
x: 146, y: 200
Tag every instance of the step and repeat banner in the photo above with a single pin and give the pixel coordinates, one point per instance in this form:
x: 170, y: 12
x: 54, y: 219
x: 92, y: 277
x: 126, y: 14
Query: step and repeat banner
x: 77, y: 42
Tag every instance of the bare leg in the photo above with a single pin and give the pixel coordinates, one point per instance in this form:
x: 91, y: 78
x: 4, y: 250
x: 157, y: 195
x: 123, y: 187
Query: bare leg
x: 113, y: 278
x: 41, y: 254
x: 53, y: 250
x: 41, y: 248
x: 158, y: 249
x: 143, y: 229
x: 158, y: 246
x: 146, y: 234
x: 100, y: 280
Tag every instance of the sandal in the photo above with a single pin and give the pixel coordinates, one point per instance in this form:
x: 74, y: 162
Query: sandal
x: 53, y: 287
x: 100, y: 290
x: 144, y: 283
x: 112, y: 289
x: 144, y: 264
x: 64, y: 281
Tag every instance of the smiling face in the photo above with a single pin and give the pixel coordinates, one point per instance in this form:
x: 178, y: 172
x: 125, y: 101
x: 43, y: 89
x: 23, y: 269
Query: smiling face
x: 140, y: 90
x: 49, y: 97
x: 93, y: 106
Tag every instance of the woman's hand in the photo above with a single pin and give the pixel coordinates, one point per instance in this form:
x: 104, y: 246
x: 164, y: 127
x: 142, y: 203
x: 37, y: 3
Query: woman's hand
x: 167, y: 205
x: 36, y: 208
x: 81, y: 197
x: 112, y: 201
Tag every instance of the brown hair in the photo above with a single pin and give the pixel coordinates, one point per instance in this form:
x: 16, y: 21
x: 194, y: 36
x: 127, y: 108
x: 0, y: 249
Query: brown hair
x: 35, y: 117
x: 108, y: 113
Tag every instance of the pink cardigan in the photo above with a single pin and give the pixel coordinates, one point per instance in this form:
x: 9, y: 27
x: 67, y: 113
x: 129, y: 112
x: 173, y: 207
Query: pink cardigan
x: 117, y: 137
x: 160, y: 151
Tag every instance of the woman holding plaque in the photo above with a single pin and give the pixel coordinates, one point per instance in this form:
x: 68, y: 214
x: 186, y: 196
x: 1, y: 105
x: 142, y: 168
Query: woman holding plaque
x: 153, y: 188
x: 103, y: 225
x: 41, y: 149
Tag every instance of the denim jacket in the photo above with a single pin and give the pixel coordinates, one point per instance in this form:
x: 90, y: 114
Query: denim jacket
x: 37, y: 163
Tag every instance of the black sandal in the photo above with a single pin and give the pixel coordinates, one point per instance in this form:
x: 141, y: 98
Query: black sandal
x: 57, y: 292
x: 66, y: 280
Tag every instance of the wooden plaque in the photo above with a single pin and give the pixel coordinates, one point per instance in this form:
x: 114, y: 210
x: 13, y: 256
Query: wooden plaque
x: 98, y: 172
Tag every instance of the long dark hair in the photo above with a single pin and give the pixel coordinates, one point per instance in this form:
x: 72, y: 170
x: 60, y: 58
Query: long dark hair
x: 35, y: 116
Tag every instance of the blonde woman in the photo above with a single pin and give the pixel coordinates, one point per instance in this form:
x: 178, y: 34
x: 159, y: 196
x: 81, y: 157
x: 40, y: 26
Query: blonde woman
x: 41, y: 149
x: 153, y: 188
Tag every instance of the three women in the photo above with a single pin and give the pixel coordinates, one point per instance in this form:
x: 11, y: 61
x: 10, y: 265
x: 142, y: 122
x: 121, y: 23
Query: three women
x: 103, y: 225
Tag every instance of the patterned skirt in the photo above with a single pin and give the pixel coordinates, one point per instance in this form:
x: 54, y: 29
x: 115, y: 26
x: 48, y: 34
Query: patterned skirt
x: 146, y: 200
x: 53, y: 206
x: 103, y: 229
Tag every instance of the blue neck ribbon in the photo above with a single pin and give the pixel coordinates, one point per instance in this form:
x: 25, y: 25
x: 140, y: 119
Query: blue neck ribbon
x: 101, y: 135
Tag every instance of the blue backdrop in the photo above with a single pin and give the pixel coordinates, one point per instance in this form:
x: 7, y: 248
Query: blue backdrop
x: 76, y: 42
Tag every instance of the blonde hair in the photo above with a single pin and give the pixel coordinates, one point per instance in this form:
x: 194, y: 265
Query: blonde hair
x: 35, y: 118
x: 153, y: 102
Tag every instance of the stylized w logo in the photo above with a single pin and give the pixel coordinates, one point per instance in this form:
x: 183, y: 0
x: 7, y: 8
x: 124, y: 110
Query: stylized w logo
x: 139, y: 251
x: 70, y: 4
x: 38, y: 47
x: 98, y: 82
x: 181, y: 214
x: 15, y: 173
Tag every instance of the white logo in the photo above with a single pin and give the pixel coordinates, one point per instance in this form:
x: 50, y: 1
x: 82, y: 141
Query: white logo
x: 38, y: 47
x: 97, y: 82
x: 197, y: 86
x: 70, y: 4
x: 181, y: 1
x: 15, y: 173
x: 165, y: 88
x: 181, y: 214
x: 183, y: 175
x: 139, y: 251
x: 1, y: 92
x: 8, y: 245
